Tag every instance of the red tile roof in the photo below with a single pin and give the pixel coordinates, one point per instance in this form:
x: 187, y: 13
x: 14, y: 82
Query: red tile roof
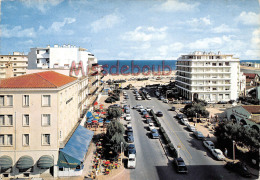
x: 253, y: 109
x: 250, y: 75
x: 47, y: 79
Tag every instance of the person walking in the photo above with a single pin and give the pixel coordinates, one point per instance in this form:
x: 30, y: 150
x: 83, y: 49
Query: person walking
x: 226, y: 151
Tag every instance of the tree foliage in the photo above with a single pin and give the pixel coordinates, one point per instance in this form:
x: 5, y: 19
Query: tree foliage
x: 114, y: 112
x: 199, y: 108
x: 113, y: 128
x: 226, y: 132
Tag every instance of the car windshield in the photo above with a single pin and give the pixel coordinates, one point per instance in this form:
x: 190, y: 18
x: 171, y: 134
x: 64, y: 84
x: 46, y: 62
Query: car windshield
x: 131, y: 159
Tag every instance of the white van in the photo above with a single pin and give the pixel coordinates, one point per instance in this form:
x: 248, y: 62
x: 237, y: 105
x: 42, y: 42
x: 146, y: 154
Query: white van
x: 131, y: 161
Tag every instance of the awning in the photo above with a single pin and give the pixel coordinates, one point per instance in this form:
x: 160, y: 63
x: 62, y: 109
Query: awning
x: 6, y: 162
x: 45, y: 162
x: 74, y: 151
x: 25, y: 162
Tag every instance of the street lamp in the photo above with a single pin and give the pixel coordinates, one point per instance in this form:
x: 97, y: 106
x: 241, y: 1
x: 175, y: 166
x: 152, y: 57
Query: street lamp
x: 121, y: 153
x: 196, y: 118
x: 234, y: 149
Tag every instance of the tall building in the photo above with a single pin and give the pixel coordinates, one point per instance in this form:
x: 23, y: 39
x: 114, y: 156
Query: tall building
x: 208, y: 76
x: 40, y: 125
x: 58, y: 57
x: 13, y: 65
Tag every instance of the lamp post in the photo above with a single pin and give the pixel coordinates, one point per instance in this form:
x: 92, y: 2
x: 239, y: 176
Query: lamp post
x: 234, y: 149
x: 121, y: 153
x: 196, y: 119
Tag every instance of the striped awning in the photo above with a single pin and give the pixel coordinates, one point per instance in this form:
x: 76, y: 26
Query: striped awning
x: 6, y: 162
x: 45, y: 162
x: 25, y: 162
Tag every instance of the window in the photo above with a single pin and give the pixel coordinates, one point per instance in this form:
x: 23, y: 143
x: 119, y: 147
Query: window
x: 46, y: 120
x: 9, y: 100
x: 46, y: 139
x: 2, y: 100
x: 9, y: 120
x: 47, y: 50
x: 227, y: 63
x: 14, y: 64
x: 9, y: 139
x: 226, y: 96
x: 38, y: 61
x: 38, y: 51
x: 214, y: 64
x: 26, y: 100
x: 14, y: 58
x: 214, y: 89
x: 14, y: 69
x: 26, y: 140
x: 2, y: 139
x: 46, y: 100
x: 26, y: 121
x: 2, y: 120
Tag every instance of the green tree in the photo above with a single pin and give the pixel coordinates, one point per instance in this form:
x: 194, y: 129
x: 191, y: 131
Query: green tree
x: 114, y: 112
x: 115, y: 142
x: 113, y: 128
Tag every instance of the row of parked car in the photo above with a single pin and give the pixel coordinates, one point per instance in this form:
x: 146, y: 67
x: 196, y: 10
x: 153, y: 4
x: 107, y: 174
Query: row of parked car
x: 131, y: 151
x: 217, y: 153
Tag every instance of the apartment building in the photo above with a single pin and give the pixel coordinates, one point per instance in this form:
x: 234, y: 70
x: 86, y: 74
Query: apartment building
x: 59, y: 57
x: 13, y: 65
x: 40, y: 126
x: 209, y: 76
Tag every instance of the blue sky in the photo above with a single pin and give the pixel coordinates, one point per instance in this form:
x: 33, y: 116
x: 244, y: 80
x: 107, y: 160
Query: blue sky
x: 133, y: 29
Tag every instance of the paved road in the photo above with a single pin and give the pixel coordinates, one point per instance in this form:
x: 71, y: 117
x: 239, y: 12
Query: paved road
x: 152, y: 162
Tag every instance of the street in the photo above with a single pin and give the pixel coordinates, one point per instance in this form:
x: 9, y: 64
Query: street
x: 152, y: 162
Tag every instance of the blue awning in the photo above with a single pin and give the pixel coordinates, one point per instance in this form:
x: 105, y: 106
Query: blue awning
x: 76, y: 147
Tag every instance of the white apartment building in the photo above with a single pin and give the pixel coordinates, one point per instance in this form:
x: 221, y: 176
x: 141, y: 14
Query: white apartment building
x: 13, y: 65
x: 208, y: 76
x: 39, y: 125
x: 58, y: 57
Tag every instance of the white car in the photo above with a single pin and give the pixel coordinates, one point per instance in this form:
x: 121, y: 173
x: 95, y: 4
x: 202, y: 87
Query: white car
x: 131, y: 163
x: 141, y: 109
x: 148, y: 97
x: 217, y: 153
x: 129, y: 124
x: 148, y: 108
x: 151, y: 126
x: 138, y: 98
x: 138, y: 106
x: 124, y: 93
x: 209, y: 145
x: 166, y: 101
x: 191, y: 127
x: 185, y: 121
x: 127, y: 117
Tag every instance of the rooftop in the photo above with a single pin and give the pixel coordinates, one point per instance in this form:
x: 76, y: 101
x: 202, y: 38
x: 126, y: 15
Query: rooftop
x: 250, y: 75
x: 47, y: 79
x: 253, y: 109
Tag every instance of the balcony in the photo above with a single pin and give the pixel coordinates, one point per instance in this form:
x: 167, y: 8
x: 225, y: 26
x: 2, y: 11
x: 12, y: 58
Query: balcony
x: 94, y: 82
x: 44, y: 55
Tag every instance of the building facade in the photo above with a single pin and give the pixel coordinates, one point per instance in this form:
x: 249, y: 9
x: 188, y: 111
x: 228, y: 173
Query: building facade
x: 208, y: 76
x: 58, y: 57
x: 13, y: 65
x: 39, y: 114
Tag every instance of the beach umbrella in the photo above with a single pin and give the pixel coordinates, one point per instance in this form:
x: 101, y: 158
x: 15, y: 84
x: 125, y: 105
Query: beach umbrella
x: 89, y: 114
x: 96, y: 103
x: 91, y: 118
x: 98, y: 112
x: 94, y: 121
x: 103, y: 112
x: 101, y: 107
x: 89, y: 122
x: 107, y: 121
x: 101, y: 119
x: 101, y: 104
x: 107, y: 162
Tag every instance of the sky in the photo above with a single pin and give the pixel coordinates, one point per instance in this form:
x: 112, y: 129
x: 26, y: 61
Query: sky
x: 133, y: 29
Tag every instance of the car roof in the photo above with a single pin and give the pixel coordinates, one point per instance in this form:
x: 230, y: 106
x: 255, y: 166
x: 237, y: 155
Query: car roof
x: 154, y: 130
x: 218, y: 150
x: 179, y: 159
x: 131, y: 145
x: 210, y: 142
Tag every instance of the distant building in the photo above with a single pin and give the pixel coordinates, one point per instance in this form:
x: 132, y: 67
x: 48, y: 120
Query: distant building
x: 13, y: 65
x: 250, y: 64
x: 58, y: 57
x: 247, y: 115
x: 252, y: 79
x: 209, y: 76
x: 40, y: 125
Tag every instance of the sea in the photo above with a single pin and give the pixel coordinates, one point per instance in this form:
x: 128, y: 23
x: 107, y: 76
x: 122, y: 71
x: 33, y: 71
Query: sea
x: 135, y: 66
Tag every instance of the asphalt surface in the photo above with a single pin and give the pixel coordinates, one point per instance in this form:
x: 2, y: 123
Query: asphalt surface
x: 152, y: 161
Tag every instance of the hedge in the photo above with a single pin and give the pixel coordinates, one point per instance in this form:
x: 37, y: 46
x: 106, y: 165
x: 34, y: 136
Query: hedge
x: 166, y: 137
x: 162, y: 130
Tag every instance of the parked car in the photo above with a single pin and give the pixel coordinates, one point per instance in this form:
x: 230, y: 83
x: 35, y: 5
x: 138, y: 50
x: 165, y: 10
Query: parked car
x: 138, y: 107
x: 198, y: 135
x: 222, y: 102
x: 217, y: 153
x: 186, y: 102
x: 130, y: 129
x: 209, y: 145
x: 166, y: 101
x: 175, y: 102
x: 151, y: 126
x: 130, y: 139
x: 148, y: 120
x: 154, y: 134
x: 131, y: 163
x: 149, y: 108
x: 131, y: 149
x: 144, y: 112
x: 179, y: 116
x: 185, y: 121
x: 159, y: 114
x: 126, y: 97
x: 142, y: 109
x: 129, y: 124
x: 127, y: 111
x: 238, y: 167
x: 173, y: 108
x: 127, y: 117
x: 161, y: 98
x: 148, y: 97
x: 138, y: 98
x: 180, y: 165
x: 191, y: 127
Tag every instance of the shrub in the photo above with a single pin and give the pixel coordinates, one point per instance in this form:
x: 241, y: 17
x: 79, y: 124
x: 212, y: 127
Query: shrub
x: 162, y: 130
